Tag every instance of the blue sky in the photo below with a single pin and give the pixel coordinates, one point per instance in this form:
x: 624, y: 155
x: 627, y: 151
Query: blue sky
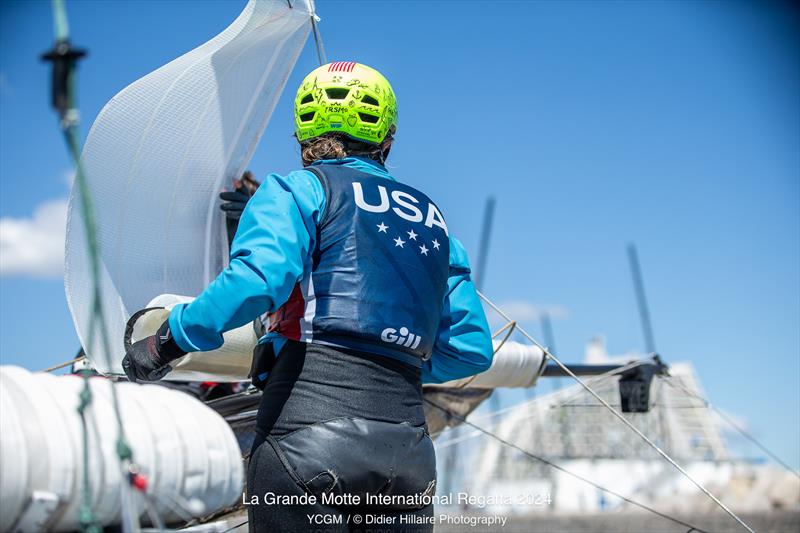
x: 674, y: 125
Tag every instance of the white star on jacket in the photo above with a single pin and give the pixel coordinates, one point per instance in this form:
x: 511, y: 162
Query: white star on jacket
x: 382, y: 228
x: 436, y: 244
x: 399, y: 242
x: 412, y: 235
x: 423, y: 250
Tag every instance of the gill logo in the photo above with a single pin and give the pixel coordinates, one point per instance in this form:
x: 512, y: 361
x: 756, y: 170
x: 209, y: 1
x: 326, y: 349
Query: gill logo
x: 405, y: 338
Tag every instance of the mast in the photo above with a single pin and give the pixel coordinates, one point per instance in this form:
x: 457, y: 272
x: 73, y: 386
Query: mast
x: 641, y: 299
x: 549, y: 341
x: 547, y: 331
x: 649, y: 338
x: 480, y: 276
x: 483, y: 250
x: 483, y: 253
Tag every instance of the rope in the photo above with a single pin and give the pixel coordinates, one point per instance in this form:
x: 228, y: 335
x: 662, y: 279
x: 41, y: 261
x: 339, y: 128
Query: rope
x: 528, y: 403
x: 562, y: 469
x: 86, y: 516
x: 71, y: 134
x: 617, y: 414
x: 65, y: 57
x: 62, y: 365
x: 734, y: 425
x: 596, y: 379
x: 508, y: 326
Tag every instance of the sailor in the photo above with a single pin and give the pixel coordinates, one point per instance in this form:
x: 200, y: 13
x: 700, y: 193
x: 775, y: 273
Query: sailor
x: 363, y: 295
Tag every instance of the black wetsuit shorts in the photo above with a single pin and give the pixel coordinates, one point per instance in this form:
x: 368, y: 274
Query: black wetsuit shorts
x: 347, y: 429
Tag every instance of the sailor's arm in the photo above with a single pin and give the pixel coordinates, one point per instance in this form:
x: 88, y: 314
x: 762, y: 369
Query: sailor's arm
x: 464, y: 343
x: 275, y: 237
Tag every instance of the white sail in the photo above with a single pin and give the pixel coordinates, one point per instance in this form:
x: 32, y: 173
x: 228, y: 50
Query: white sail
x: 156, y: 158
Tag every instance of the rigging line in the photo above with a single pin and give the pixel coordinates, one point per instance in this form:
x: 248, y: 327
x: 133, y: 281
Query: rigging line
x: 528, y: 403
x: 508, y: 326
x: 98, y: 318
x: 64, y: 59
x: 152, y: 513
x: 321, y: 57
x: 518, y: 407
x: 237, y: 526
x: 59, y: 366
x: 86, y: 516
x: 562, y: 469
x: 490, y: 415
x: 592, y: 381
x: 734, y: 425
x: 542, y: 399
x: 456, y: 440
x: 617, y: 414
x: 173, y: 504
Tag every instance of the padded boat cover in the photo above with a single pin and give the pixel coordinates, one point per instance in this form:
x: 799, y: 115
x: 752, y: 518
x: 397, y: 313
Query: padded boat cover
x: 514, y: 364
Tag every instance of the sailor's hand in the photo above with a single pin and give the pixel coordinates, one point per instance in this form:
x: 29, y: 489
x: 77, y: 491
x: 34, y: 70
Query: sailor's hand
x: 149, y: 359
x: 233, y: 202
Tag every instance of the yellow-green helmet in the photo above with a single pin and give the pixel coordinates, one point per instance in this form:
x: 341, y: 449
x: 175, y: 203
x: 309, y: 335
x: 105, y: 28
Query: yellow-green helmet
x: 345, y: 97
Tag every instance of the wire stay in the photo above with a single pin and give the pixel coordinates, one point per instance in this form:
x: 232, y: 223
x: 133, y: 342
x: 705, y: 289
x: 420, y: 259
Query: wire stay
x: 505, y: 442
x: 618, y: 415
x: 528, y: 403
x: 733, y: 424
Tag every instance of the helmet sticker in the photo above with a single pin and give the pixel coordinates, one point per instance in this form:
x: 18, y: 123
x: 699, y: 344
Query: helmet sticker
x: 342, y: 66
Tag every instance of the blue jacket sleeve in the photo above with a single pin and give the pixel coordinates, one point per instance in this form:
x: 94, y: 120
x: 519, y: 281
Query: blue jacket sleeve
x: 274, y: 242
x: 464, y: 343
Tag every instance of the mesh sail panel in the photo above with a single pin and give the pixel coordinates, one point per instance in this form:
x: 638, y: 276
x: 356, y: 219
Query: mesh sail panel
x: 156, y: 158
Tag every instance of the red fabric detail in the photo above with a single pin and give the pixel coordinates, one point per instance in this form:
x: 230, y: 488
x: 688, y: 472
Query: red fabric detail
x: 286, y: 320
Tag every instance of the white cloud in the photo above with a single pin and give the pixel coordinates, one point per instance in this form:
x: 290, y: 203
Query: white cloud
x: 34, y: 246
x: 523, y: 311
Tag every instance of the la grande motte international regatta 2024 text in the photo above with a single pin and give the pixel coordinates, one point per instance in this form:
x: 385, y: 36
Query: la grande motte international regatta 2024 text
x: 410, y: 500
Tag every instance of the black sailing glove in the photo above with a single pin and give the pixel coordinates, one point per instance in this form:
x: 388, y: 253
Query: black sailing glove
x: 233, y: 202
x: 149, y: 359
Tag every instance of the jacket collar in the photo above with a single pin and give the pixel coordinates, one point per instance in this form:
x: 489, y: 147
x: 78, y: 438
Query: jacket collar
x: 363, y: 163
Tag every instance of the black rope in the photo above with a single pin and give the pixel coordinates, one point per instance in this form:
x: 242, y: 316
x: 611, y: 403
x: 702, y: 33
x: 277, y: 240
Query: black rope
x: 562, y: 469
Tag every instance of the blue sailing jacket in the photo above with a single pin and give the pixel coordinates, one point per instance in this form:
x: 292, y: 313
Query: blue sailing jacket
x: 342, y: 254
